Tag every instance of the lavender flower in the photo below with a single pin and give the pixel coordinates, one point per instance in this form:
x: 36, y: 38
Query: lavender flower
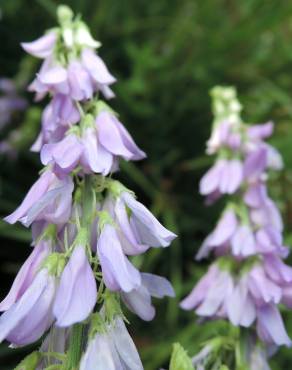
x: 76, y: 295
x: 84, y: 225
x: 249, y: 279
x: 112, y: 349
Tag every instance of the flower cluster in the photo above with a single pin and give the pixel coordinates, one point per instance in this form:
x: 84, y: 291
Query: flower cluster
x: 85, y: 225
x: 249, y: 278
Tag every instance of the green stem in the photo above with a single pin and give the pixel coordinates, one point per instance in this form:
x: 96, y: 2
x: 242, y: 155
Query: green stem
x: 75, y: 347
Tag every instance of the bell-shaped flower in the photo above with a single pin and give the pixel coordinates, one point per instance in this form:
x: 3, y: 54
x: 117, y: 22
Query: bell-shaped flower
x: 270, y: 240
x: 113, y: 136
x: 270, y: 326
x: 27, y: 319
x: 225, y: 177
x: 57, y: 117
x: 139, y: 300
x: 267, y: 215
x: 26, y: 274
x: 260, y: 132
x: 221, y: 235
x: 55, y: 342
x: 65, y: 154
x: 118, y: 272
x: 42, y: 47
x: 77, y: 293
x: 209, y: 294
x: 48, y: 199
x: 80, y: 83
x: 243, y: 242
x: 141, y: 227
x: 112, y: 349
x: 98, y: 72
x: 255, y: 164
x: 262, y: 289
x: 277, y: 270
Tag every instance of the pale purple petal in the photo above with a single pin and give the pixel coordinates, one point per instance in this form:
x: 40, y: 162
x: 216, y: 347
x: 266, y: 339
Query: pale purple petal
x: 157, y: 286
x: 65, y: 154
x: 129, y: 242
x: 117, y: 270
x: 26, y: 274
x: 110, y: 137
x: 270, y: 326
x: 149, y: 229
x: 243, y: 241
x: 42, y: 47
x: 98, y: 355
x: 95, y: 157
x: 81, y: 87
x: 53, y: 76
x: 27, y: 320
x: 199, y: 292
x: 210, y: 181
x: 255, y: 163
x: 259, y: 132
x: 96, y: 67
x: 77, y: 292
x: 262, y: 288
x: 139, y: 302
x: 54, y: 206
x: 128, y: 141
x: 125, y: 346
x: 215, y: 296
x: 39, y: 188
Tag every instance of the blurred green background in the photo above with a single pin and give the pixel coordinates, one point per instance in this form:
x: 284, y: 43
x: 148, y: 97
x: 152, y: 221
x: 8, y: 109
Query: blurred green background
x: 166, y: 54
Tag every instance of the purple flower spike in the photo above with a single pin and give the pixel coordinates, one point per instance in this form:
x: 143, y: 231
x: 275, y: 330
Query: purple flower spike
x: 118, y: 272
x: 26, y: 274
x: 49, y: 199
x: 148, y: 229
x: 28, y: 318
x: 77, y: 293
x: 139, y: 300
x: 270, y: 326
x: 42, y: 47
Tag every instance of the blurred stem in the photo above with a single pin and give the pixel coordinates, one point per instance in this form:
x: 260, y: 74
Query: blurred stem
x: 75, y: 347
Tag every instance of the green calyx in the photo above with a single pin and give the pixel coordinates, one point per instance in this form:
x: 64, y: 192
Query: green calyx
x: 64, y: 14
x: 116, y: 188
x: 104, y: 219
x: 82, y: 237
x: 55, y: 263
x: 235, y: 267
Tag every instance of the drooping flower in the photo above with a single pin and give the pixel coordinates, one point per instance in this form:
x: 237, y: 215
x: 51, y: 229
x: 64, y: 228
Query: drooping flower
x: 77, y: 293
x: 26, y: 274
x: 112, y: 350
x: 27, y: 319
x: 48, y: 199
x: 139, y: 300
x: 118, y: 272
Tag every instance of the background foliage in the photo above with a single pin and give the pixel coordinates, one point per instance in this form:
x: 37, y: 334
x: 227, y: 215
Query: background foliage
x: 167, y: 54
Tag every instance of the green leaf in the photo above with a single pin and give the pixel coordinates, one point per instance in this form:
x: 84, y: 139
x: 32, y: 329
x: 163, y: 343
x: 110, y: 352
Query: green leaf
x: 30, y: 362
x: 180, y: 359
